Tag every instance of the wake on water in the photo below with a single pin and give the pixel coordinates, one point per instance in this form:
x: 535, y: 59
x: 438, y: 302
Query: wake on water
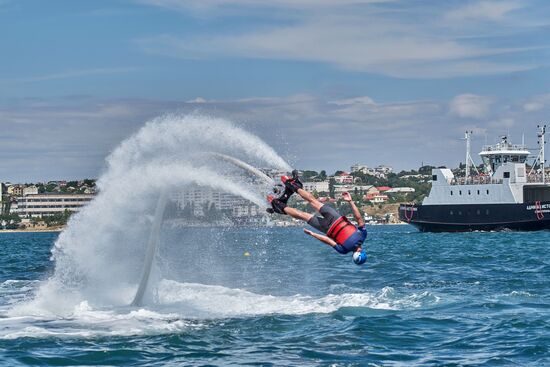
x: 99, y: 257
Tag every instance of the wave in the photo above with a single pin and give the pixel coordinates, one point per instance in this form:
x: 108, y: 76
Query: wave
x: 187, y: 306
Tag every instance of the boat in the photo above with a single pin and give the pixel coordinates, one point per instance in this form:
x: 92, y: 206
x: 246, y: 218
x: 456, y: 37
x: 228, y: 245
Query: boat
x: 507, y: 195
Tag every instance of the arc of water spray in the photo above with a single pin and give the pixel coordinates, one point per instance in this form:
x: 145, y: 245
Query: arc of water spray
x: 154, y: 235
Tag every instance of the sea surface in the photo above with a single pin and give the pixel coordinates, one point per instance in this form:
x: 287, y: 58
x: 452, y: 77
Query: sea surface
x: 278, y: 297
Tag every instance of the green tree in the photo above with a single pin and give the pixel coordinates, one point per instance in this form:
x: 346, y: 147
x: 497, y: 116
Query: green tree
x: 308, y: 175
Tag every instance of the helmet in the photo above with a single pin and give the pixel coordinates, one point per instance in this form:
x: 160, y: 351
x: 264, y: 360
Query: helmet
x: 359, y: 257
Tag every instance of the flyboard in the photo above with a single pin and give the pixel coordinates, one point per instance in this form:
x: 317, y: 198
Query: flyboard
x: 154, y: 236
x: 282, y: 192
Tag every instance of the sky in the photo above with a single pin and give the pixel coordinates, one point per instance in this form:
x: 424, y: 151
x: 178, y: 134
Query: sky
x: 327, y: 83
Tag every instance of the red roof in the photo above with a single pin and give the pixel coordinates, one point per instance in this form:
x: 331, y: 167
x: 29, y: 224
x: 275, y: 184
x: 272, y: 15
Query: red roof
x: 344, y: 174
x: 383, y: 188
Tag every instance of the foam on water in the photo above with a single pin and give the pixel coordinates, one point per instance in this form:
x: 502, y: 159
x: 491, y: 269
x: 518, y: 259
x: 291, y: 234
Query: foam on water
x: 187, y: 306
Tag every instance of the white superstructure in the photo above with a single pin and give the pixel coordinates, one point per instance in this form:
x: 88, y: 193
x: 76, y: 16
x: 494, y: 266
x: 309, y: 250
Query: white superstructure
x: 503, y: 182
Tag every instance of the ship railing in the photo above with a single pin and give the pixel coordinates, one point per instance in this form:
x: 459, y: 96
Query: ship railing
x: 486, y: 180
x: 536, y: 178
x: 500, y: 147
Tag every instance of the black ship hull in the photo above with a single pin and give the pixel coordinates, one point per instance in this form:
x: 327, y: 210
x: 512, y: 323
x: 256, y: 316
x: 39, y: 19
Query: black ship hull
x: 477, y: 217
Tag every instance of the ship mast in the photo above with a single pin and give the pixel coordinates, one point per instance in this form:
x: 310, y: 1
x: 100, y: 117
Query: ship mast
x: 542, y: 131
x: 540, y: 158
x: 469, y: 161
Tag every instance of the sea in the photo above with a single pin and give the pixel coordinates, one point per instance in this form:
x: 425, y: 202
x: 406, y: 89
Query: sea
x: 276, y: 297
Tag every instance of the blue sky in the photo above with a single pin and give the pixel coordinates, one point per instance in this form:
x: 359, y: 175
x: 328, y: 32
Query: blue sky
x: 328, y: 83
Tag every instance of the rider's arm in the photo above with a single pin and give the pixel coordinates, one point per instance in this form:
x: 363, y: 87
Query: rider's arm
x: 360, y: 221
x: 321, y: 238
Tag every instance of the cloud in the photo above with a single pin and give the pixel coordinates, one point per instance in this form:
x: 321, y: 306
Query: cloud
x: 409, y: 43
x: 470, y: 106
x: 364, y: 100
x: 488, y: 10
x: 308, y: 131
x: 209, y: 5
x: 537, y: 103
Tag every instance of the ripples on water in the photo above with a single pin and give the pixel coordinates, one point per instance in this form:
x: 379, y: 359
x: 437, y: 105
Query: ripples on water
x: 421, y: 299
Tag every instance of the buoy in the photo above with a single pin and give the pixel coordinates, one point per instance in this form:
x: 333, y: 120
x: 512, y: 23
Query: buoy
x: 247, y: 253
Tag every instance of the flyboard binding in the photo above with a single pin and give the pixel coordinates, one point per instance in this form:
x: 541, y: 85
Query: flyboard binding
x: 283, y: 192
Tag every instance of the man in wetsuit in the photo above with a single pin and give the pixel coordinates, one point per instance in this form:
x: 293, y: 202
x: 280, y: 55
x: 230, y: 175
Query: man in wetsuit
x: 341, y: 234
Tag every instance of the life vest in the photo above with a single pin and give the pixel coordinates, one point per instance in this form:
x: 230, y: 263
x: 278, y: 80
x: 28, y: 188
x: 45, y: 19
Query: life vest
x: 341, y: 230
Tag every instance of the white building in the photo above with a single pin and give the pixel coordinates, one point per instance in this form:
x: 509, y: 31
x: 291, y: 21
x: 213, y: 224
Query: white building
x: 344, y: 178
x: 378, y: 199
x: 384, y: 169
x: 316, y: 186
x: 340, y: 189
x: 400, y: 190
x: 48, y: 204
x: 199, y: 197
x: 30, y: 190
x: 359, y: 168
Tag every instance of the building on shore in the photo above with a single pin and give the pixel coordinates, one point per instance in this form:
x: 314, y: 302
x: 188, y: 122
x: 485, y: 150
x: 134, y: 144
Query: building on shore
x: 30, y: 190
x: 198, y: 199
x: 15, y: 190
x: 38, y: 205
x: 322, y: 186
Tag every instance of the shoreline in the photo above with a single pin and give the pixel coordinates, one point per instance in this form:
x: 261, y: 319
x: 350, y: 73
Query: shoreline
x: 31, y: 230
x: 62, y: 228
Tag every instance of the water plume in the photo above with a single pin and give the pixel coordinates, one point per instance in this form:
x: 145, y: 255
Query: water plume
x: 99, y: 257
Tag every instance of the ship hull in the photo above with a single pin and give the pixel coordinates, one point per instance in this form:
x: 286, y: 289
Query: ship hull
x: 477, y: 217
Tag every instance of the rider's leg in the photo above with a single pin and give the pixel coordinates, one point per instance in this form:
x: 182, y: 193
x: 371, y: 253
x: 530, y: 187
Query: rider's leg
x: 307, y: 196
x: 298, y: 214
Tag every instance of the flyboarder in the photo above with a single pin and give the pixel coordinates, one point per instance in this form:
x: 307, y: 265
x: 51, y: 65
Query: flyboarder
x: 341, y: 234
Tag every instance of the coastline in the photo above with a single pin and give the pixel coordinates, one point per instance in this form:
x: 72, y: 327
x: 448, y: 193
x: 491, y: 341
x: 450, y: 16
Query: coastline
x: 60, y: 229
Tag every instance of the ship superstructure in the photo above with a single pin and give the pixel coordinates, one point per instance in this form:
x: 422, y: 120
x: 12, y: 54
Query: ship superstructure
x: 507, y: 195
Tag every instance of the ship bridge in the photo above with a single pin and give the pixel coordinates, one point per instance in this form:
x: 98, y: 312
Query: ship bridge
x: 494, y: 156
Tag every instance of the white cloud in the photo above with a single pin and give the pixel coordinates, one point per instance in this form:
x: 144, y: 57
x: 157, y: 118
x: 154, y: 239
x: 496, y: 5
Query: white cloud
x: 365, y: 100
x: 489, y: 10
x: 411, y: 43
x: 537, y: 103
x: 197, y: 100
x: 470, y: 106
x: 308, y: 131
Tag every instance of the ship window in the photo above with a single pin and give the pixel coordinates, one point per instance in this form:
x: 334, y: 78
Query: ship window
x: 506, y: 174
x: 487, y: 192
x: 478, y: 192
x: 434, y: 178
x: 451, y: 192
x: 451, y: 212
x: 459, y: 212
x: 459, y: 192
x: 478, y: 212
x: 487, y: 212
x: 469, y: 192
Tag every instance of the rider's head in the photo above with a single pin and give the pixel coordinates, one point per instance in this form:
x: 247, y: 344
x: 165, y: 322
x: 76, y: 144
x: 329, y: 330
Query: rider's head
x: 359, y: 256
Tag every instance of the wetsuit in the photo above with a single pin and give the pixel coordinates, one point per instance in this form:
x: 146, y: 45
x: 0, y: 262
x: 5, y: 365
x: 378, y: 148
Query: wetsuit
x: 326, y: 223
